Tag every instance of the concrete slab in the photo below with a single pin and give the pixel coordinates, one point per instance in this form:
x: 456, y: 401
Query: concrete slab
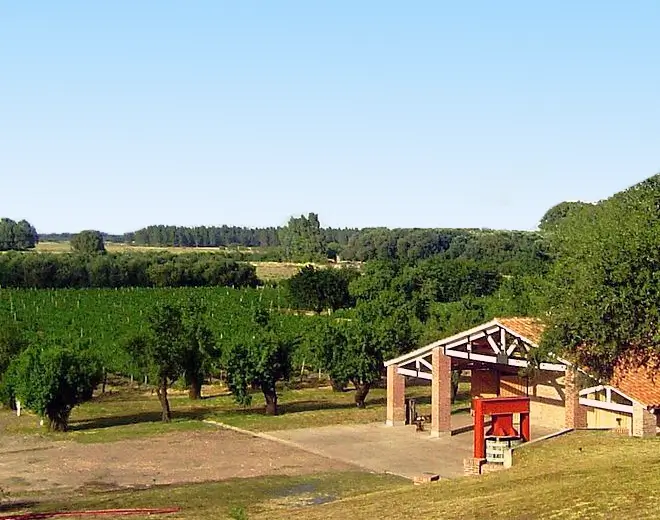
x: 398, y: 450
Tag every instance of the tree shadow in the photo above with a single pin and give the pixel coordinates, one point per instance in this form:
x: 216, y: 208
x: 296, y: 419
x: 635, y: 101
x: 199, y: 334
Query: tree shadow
x: 14, y: 506
x: 139, y: 417
x: 205, y: 412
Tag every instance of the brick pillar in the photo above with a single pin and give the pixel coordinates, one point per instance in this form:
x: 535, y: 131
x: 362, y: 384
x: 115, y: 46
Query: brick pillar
x: 643, y: 422
x: 576, y: 415
x: 440, y: 393
x: 396, y: 397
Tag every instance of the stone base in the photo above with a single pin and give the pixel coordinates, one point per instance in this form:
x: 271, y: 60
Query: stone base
x: 395, y: 423
x: 472, y: 466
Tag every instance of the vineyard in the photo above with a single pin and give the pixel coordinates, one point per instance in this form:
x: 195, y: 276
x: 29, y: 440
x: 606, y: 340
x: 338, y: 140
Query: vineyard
x: 106, y: 318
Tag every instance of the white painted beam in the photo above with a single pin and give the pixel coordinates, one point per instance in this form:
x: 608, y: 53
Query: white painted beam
x: 414, y: 373
x: 615, y: 407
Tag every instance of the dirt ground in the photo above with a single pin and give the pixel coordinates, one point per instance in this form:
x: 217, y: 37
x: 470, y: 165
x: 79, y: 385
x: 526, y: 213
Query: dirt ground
x: 29, y: 464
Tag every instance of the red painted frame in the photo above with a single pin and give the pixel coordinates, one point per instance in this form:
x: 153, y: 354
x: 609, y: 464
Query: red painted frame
x: 498, y: 406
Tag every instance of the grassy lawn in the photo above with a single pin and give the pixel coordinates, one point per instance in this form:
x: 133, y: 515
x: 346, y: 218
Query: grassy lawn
x: 236, y: 498
x: 580, y: 475
x: 125, y: 413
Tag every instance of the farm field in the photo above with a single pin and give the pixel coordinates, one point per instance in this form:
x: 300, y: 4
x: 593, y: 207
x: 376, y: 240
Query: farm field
x: 266, y: 271
x: 107, y: 317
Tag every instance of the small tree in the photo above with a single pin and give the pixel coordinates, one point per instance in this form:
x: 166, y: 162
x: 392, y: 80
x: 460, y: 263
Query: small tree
x: 161, y: 351
x: 53, y: 379
x: 88, y: 242
x: 260, y: 362
x: 355, y: 351
x: 199, y: 348
x: 320, y: 289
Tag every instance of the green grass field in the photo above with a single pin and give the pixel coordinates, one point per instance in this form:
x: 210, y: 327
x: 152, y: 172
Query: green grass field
x: 123, y: 413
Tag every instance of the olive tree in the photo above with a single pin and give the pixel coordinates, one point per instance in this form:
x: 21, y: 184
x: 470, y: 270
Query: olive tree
x: 178, y: 343
x: 259, y: 360
x: 52, y: 379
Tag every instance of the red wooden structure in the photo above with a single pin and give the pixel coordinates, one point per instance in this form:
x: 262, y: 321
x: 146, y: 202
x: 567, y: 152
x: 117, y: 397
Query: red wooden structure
x: 501, y: 411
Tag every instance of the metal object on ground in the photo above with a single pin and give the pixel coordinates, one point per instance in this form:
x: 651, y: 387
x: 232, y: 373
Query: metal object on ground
x: 496, y: 446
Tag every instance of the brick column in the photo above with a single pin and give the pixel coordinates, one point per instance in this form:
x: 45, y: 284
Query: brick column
x: 643, y: 422
x: 440, y: 393
x: 396, y: 397
x: 576, y: 415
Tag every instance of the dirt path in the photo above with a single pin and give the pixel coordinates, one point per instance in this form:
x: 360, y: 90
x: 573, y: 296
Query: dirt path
x: 32, y: 464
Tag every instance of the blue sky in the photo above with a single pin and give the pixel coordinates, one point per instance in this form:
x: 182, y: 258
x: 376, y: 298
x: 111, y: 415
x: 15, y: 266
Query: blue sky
x: 115, y: 115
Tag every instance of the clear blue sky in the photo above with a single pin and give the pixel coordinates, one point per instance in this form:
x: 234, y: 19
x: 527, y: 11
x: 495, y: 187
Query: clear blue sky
x: 115, y: 115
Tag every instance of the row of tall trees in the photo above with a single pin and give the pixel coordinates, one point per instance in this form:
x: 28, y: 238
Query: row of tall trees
x: 227, y: 236
x: 17, y: 236
x: 45, y: 271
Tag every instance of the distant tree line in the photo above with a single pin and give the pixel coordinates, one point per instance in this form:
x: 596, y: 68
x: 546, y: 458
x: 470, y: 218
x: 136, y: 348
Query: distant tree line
x: 222, y: 236
x: 17, y: 236
x: 42, y: 271
x: 67, y: 237
x: 303, y: 239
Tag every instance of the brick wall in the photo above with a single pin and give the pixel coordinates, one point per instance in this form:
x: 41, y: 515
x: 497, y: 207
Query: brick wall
x: 639, y: 378
x: 576, y: 414
x: 484, y: 383
x: 644, y: 422
x: 472, y: 466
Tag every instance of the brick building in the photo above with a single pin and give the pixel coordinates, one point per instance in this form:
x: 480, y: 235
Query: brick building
x: 495, y: 354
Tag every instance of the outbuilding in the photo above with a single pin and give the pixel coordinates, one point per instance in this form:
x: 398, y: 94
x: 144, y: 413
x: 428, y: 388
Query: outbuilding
x: 495, y: 355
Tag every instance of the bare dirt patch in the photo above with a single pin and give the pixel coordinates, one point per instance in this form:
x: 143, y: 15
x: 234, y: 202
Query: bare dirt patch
x: 34, y: 465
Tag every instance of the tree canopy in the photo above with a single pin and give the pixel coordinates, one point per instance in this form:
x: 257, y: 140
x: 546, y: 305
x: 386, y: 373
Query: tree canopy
x: 52, y: 379
x: 17, y: 236
x: 88, y: 242
x: 606, y: 279
x: 302, y: 239
x: 556, y: 214
x: 321, y: 289
x: 260, y: 360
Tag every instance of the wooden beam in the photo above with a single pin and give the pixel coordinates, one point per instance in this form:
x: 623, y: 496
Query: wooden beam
x: 493, y: 344
x: 553, y: 367
x: 503, y: 340
x: 592, y: 390
x: 512, y: 347
x: 615, y: 407
x: 414, y: 373
x: 426, y: 363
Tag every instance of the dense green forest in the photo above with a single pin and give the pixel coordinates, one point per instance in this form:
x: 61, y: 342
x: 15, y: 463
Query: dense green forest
x: 158, y: 269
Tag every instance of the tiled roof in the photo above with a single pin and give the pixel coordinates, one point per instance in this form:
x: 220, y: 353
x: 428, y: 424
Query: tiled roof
x: 639, y: 379
x: 529, y: 328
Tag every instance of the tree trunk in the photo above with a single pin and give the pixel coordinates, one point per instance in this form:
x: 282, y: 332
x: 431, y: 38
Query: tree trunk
x: 164, y: 403
x: 271, y: 400
x: 58, y: 420
x: 361, y: 391
x: 455, y: 379
x: 337, y: 385
x: 195, y: 388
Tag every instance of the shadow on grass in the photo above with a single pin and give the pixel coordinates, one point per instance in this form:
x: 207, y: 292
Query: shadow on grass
x: 205, y: 412
x: 14, y: 506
